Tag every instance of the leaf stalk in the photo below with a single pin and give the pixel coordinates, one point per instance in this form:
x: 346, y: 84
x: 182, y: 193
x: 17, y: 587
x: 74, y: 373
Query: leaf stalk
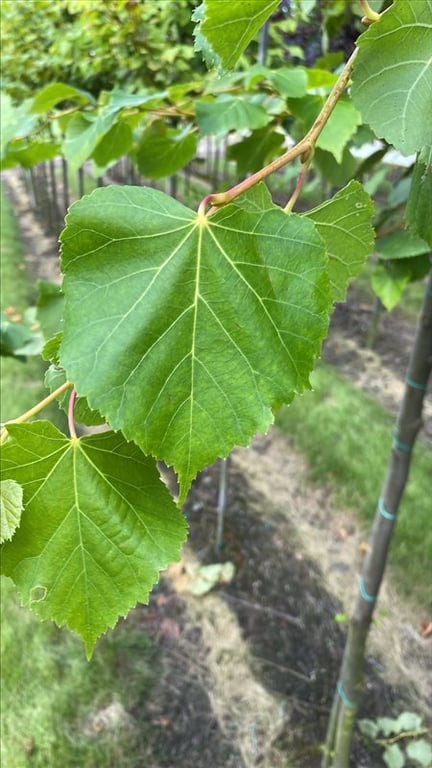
x: 35, y: 409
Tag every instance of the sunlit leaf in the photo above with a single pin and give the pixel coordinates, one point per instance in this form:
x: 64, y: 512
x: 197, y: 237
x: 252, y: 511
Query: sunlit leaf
x: 344, y: 223
x: 54, y: 93
x: 186, y: 331
x: 98, y: 526
x: 11, y: 507
x: 225, y: 29
x: 421, y: 751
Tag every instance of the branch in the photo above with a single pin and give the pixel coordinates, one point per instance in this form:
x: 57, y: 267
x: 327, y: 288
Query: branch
x: 303, y: 148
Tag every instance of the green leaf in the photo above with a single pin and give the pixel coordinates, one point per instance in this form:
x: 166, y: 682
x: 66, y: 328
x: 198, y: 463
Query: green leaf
x: 83, y: 134
x: 290, y: 82
x: 340, y: 127
x: 83, y: 414
x: 116, y: 143
x: 421, y: 751
x: 418, y: 211
x: 98, y: 526
x: 54, y: 93
x: 409, y: 721
x: 49, y: 307
x: 51, y: 350
x: 15, y: 121
x: 392, y: 77
x: 335, y: 173
x: 368, y: 728
x: 389, y: 282
x: 229, y: 113
x: 252, y: 153
x: 345, y: 224
x: 19, y: 339
x: 185, y: 331
x: 119, y: 99
x: 27, y: 154
x: 163, y: 151
x: 401, y: 245
x: 11, y: 507
x: 393, y: 756
x: 224, y: 30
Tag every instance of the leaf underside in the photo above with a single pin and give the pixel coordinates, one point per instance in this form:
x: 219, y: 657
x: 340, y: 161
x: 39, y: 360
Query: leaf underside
x: 185, y: 331
x: 98, y: 525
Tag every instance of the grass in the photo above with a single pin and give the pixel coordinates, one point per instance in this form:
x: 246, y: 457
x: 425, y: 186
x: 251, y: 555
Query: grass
x: 346, y: 436
x: 51, y: 695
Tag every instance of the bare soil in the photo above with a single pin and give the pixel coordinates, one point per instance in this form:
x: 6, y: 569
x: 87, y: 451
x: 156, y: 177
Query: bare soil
x: 248, y: 671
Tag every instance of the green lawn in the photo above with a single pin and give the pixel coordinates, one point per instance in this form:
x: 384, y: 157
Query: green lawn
x: 346, y: 436
x: 51, y: 696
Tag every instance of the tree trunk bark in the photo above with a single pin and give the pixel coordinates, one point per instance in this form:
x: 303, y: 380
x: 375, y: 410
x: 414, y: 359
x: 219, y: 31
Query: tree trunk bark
x: 409, y: 422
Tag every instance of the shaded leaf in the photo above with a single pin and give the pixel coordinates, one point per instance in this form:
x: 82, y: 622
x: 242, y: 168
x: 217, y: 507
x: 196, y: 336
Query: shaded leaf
x: 83, y: 414
x: 252, y: 153
x: 163, y: 151
x: 418, y: 213
x: 83, y: 133
x: 345, y: 224
x: 49, y: 307
x: 98, y: 526
x: 11, y: 507
x: 392, y: 76
x: 186, y: 331
x: 391, y: 277
x: 400, y: 245
x: 116, y: 143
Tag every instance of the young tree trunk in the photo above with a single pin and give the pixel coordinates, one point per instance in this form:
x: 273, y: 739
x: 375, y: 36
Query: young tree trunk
x: 349, y: 686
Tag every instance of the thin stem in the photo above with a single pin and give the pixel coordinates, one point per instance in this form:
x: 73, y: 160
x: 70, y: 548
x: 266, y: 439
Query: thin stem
x: 298, y: 188
x: 71, y: 408
x: 303, y: 148
x: 370, y: 15
x: 36, y: 408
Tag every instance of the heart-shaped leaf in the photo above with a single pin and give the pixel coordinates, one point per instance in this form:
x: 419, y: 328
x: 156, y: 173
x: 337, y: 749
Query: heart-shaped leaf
x: 183, y: 330
x: 98, y: 525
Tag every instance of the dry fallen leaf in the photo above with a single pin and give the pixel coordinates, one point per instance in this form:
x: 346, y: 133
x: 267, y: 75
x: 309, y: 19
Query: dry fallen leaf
x: 426, y: 629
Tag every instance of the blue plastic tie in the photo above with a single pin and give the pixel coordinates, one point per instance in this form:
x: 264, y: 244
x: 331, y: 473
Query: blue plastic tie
x: 364, y: 593
x: 399, y: 444
x: 387, y: 515
x: 415, y: 385
x: 344, y: 698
